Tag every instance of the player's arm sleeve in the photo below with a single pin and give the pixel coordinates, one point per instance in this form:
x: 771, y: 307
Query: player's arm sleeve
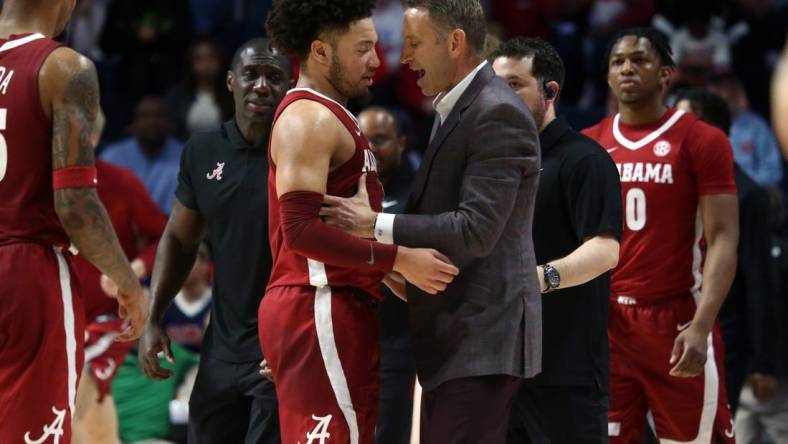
x: 754, y: 263
x: 593, y: 192
x: 148, y: 219
x: 307, y: 235
x: 184, y: 191
x: 711, y: 157
x: 502, y: 154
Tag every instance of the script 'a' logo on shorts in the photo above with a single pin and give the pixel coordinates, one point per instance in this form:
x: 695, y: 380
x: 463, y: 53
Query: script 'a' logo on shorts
x: 319, y: 434
x: 55, y: 430
x: 662, y: 148
x: 216, y: 173
x: 730, y: 433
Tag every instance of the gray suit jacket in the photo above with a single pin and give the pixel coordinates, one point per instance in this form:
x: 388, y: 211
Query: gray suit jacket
x: 473, y: 200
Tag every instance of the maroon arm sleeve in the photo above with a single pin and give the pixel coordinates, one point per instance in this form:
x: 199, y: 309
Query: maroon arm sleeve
x: 147, y: 217
x: 308, y: 236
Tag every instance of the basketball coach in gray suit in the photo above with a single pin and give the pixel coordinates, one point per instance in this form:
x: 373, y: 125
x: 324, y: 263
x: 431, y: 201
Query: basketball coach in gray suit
x: 473, y: 200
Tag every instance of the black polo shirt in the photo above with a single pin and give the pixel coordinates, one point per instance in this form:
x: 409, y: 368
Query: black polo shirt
x: 579, y: 197
x: 225, y: 178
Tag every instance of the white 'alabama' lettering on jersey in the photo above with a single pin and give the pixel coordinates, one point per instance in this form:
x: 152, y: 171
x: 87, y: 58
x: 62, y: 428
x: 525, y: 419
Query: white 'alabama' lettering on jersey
x: 5, y: 79
x: 645, y: 172
x: 370, y: 164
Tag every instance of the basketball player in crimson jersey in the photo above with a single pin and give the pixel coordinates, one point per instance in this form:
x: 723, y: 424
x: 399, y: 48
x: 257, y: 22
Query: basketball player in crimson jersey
x: 48, y: 105
x: 677, y: 188
x: 317, y: 321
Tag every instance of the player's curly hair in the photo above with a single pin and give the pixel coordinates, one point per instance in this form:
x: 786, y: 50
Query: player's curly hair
x: 292, y: 25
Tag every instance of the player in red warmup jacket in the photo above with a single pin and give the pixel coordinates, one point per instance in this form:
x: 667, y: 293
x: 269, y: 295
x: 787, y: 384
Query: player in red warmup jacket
x: 678, y: 190
x: 317, y: 321
x: 138, y: 223
x: 49, y: 100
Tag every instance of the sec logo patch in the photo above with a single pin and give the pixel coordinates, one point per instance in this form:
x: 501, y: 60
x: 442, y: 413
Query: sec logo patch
x: 662, y: 148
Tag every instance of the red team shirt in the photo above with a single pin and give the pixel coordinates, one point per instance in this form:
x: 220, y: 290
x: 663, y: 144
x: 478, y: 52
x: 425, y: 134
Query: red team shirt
x: 138, y: 223
x: 664, y: 167
x: 292, y: 269
x: 27, y: 209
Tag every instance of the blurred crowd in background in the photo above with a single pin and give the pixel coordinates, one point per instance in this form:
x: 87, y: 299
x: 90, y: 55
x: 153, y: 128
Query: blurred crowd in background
x: 162, y: 67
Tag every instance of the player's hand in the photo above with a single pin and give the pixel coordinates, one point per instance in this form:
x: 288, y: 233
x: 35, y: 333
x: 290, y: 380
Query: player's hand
x: 396, y: 284
x: 689, y: 352
x: 265, y: 371
x: 763, y: 386
x: 134, y: 309
x: 425, y: 268
x: 351, y: 214
x: 153, y: 342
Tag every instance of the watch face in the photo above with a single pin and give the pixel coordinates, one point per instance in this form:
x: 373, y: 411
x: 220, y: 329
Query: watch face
x: 553, y: 278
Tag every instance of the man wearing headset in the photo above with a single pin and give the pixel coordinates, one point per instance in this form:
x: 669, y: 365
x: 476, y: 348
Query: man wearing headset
x: 577, y: 222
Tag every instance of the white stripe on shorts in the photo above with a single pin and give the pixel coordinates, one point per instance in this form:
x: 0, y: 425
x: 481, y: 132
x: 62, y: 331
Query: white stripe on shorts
x: 711, y: 385
x: 68, y: 325
x: 328, y: 348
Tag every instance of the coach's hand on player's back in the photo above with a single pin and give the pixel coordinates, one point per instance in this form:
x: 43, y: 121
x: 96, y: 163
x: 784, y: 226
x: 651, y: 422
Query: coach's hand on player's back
x: 689, y: 350
x: 425, y: 268
x: 153, y: 342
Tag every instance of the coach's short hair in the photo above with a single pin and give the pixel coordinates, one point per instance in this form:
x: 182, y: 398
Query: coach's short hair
x: 292, y: 25
x: 546, y: 64
x: 262, y: 44
x: 467, y: 15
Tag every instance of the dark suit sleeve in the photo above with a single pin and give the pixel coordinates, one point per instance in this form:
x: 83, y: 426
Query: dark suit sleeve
x: 754, y: 258
x: 502, y: 152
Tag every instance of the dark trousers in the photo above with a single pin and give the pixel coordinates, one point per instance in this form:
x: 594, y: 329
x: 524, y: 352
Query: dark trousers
x: 468, y: 410
x: 558, y: 414
x: 232, y: 403
x: 396, y: 406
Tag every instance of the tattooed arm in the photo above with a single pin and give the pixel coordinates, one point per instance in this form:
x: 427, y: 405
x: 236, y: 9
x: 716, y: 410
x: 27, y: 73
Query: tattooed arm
x: 70, y: 96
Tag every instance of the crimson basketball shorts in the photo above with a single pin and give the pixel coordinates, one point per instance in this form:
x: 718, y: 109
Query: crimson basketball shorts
x: 642, y: 391
x: 41, y: 344
x: 322, y: 346
x: 103, y: 355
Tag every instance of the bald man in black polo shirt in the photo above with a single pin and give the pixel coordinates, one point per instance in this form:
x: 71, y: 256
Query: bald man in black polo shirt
x: 222, y: 195
x: 577, y: 222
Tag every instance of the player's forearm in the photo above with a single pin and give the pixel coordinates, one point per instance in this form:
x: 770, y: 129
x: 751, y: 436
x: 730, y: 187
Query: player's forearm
x: 596, y: 256
x: 307, y: 235
x: 88, y: 226
x: 174, y: 261
x: 718, y: 273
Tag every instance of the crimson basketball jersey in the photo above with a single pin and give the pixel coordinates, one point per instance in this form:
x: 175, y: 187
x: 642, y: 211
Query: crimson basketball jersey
x: 289, y: 267
x: 664, y: 168
x: 27, y: 210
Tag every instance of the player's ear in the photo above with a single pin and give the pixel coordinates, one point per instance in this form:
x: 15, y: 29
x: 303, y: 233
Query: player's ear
x: 665, y: 74
x: 321, y: 51
x: 230, y: 81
